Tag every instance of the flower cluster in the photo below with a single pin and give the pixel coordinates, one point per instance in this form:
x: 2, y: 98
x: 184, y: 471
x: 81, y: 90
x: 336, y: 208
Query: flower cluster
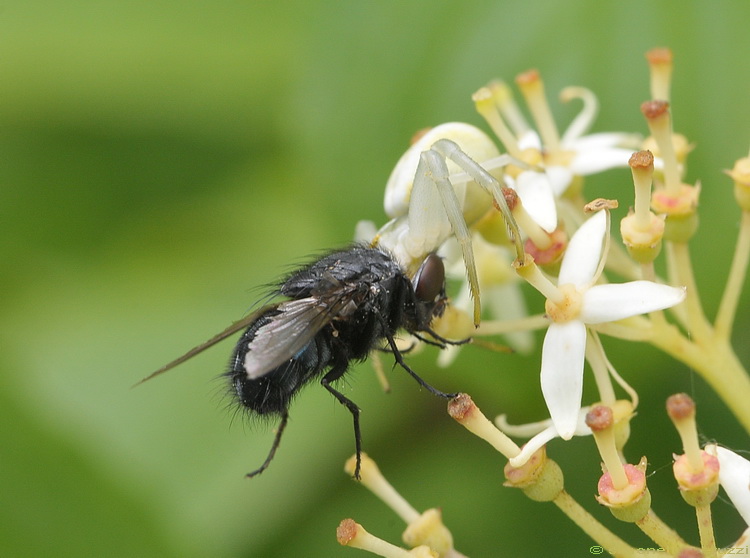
x: 505, y: 218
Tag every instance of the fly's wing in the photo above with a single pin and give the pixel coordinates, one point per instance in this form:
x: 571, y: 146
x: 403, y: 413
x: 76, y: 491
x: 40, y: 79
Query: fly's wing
x: 232, y: 329
x: 290, y: 330
x: 295, y: 323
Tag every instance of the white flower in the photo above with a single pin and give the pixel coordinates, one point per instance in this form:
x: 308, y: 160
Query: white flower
x: 587, y: 155
x: 734, y: 477
x: 580, y: 303
x: 565, y: 156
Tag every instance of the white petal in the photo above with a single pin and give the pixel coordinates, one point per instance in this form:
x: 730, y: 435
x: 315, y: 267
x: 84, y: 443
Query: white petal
x: 606, y: 139
x: 582, y: 429
x: 734, y: 476
x: 530, y: 447
x: 528, y: 430
x: 543, y: 436
x: 530, y: 140
x: 536, y: 194
x: 609, y: 303
x: 581, y: 258
x: 447, y: 356
x: 597, y: 160
x: 560, y: 178
x: 562, y: 374
x: 531, y: 429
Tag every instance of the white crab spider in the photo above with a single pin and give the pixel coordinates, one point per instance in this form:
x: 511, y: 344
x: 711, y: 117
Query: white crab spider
x: 438, y: 189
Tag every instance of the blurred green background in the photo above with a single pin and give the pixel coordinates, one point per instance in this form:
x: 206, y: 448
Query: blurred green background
x: 160, y: 160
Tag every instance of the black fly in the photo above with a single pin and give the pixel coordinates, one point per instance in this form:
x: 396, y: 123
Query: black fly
x: 339, y: 308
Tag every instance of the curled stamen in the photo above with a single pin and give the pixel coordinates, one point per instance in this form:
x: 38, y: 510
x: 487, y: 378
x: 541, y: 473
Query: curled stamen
x: 583, y: 121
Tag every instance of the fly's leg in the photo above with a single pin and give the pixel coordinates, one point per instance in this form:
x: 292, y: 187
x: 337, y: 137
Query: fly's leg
x: 274, y: 447
x: 440, y: 341
x: 400, y: 361
x: 335, y: 373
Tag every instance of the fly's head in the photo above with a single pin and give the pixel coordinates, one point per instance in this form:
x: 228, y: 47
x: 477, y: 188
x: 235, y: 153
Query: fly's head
x: 429, y: 292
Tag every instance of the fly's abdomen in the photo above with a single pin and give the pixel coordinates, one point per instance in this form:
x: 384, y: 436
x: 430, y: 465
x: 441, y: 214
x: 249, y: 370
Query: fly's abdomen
x: 272, y: 392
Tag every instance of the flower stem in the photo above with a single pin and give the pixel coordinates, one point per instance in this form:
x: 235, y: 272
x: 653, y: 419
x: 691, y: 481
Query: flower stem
x: 728, y: 306
x: 706, y: 530
x: 589, y: 525
x: 713, y: 358
x: 682, y: 269
x: 716, y: 362
x: 661, y: 533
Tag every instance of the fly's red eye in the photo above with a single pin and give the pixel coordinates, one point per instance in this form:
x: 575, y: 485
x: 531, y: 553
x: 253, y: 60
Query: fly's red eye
x: 429, y: 281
